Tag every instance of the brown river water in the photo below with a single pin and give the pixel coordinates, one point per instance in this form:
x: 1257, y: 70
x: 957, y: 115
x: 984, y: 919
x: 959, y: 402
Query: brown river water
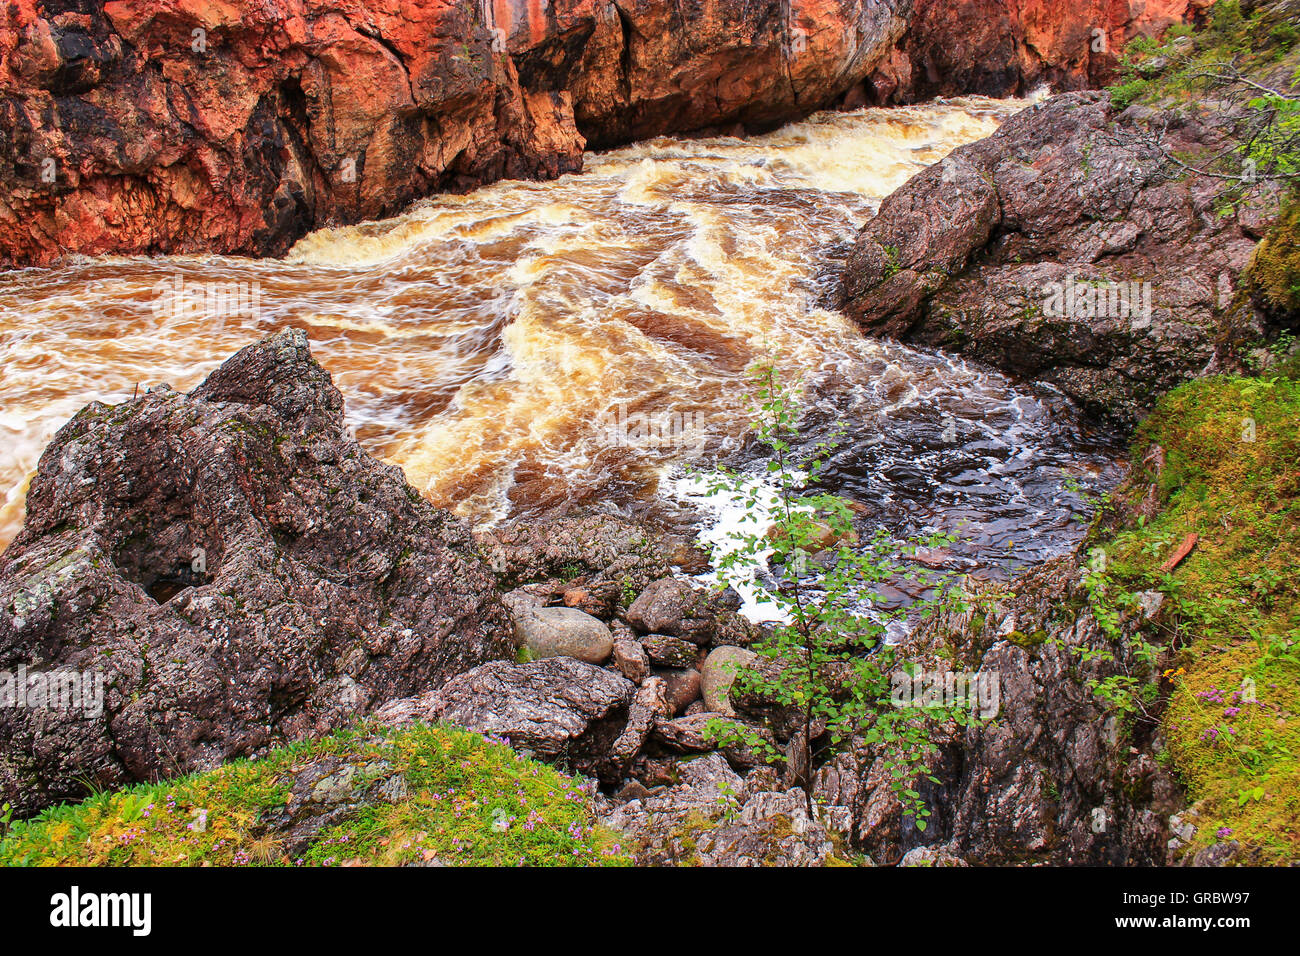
x: 509, y: 348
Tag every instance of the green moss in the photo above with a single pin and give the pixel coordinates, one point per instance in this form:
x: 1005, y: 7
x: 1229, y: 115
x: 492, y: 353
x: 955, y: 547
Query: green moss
x: 1027, y: 641
x: 466, y: 801
x: 1232, y: 608
x: 1274, y: 271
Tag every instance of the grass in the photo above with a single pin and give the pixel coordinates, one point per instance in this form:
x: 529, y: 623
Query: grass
x: 464, y: 800
x: 1232, y: 615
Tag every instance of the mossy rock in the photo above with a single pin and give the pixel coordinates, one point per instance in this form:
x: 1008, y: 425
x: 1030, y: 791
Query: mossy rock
x: 1273, y: 275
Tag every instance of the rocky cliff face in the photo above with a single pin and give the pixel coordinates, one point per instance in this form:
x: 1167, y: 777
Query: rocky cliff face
x: 194, y: 126
x: 1009, y: 47
x: 1058, y: 777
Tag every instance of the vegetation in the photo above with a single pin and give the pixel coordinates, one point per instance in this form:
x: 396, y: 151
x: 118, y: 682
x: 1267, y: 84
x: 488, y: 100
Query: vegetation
x: 458, y: 799
x: 828, y: 662
x: 1274, y: 273
x: 1227, y: 637
x: 1248, y: 63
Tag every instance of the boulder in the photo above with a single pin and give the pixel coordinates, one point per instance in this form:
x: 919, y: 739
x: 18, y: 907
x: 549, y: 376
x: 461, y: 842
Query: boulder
x: 649, y: 704
x: 561, y: 632
x: 691, y: 735
x: 1066, y: 248
x: 683, y: 687
x: 931, y: 856
x: 630, y: 659
x: 679, y: 608
x: 719, y: 673
x: 709, y: 817
x: 599, y: 556
x: 667, y: 651
x: 236, y: 570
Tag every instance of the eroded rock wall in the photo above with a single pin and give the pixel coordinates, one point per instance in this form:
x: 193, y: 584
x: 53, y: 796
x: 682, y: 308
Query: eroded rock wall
x: 1010, y: 47
x: 203, y: 126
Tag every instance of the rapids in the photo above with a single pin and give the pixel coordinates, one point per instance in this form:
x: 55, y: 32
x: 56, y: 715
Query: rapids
x: 511, y: 348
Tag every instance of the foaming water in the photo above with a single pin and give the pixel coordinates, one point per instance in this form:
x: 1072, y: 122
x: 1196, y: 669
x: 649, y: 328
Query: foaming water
x: 486, y: 342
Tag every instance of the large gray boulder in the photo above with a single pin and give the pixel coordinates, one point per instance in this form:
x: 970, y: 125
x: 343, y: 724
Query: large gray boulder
x: 236, y: 570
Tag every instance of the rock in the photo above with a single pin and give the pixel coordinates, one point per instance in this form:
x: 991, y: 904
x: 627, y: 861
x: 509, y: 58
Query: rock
x: 1217, y: 854
x: 931, y: 856
x: 239, y: 571
x: 608, y: 554
x: 655, y: 772
x: 294, y: 117
x: 1009, y: 47
x: 691, y: 735
x: 272, y: 120
x: 683, y: 687
x: 632, y: 790
x: 686, y: 734
x: 1048, y: 781
x: 670, y: 651
x: 558, y: 709
x: 999, y: 252
x: 648, y: 705
x: 710, y: 818
x: 325, y: 792
x: 630, y: 660
x: 1150, y: 602
x: 286, y: 117
x: 562, y: 632
x: 762, y: 778
x: 823, y: 537
x: 719, y: 673
x: 681, y: 609
x: 729, y: 66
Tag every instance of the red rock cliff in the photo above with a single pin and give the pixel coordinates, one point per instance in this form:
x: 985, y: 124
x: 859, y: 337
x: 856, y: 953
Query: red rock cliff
x: 1008, y: 47
x: 160, y: 126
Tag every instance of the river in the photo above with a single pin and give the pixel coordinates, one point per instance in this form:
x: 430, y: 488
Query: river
x: 508, y: 348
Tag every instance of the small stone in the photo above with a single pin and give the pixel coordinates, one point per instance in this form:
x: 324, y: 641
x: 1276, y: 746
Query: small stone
x: 719, y: 674
x: 683, y: 687
x: 630, y: 660
x: 668, y: 651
